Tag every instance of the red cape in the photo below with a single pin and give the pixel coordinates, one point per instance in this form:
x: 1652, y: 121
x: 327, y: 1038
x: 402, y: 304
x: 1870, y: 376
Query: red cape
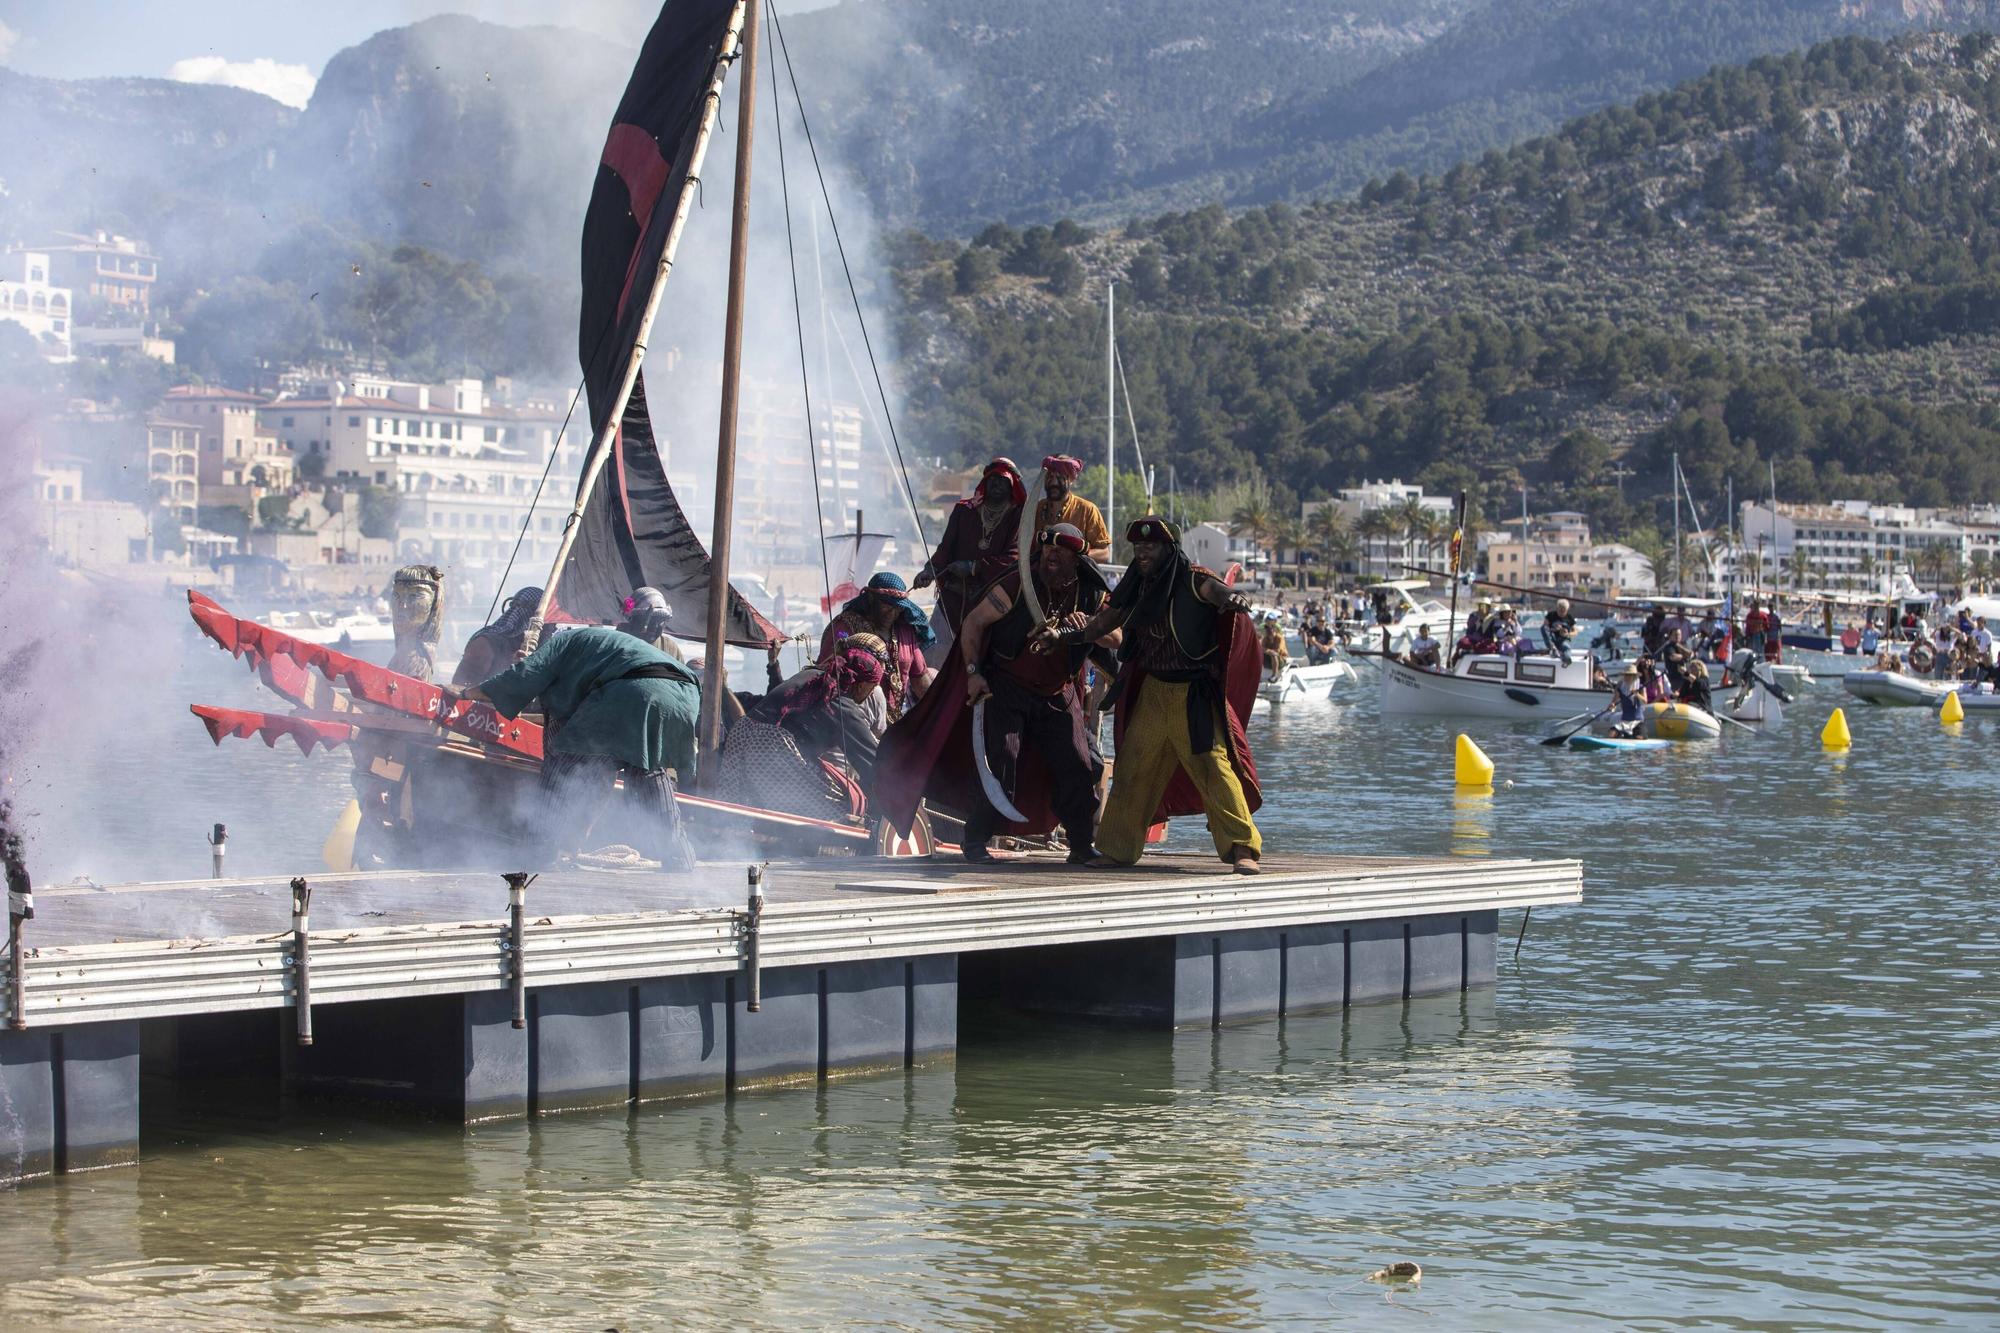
x: 927, y: 756
x: 1242, y: 673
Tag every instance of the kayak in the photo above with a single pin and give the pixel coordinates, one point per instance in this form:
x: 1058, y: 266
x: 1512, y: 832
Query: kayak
x: 1585, y: 742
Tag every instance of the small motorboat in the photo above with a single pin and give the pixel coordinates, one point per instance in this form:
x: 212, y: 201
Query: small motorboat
x: 1299, y: 681
x: 1895, y: 689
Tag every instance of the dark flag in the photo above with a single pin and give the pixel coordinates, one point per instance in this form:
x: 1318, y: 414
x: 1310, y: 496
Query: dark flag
x: 633, y: 532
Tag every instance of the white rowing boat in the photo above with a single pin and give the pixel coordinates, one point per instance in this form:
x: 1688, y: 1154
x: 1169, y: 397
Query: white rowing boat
x: 1299, y: 682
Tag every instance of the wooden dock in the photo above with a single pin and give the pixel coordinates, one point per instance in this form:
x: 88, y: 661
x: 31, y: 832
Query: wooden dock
x: 622, y: 985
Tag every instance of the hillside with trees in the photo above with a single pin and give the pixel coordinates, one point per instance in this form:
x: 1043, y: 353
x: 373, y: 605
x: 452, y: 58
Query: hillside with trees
x: 1779, y: 262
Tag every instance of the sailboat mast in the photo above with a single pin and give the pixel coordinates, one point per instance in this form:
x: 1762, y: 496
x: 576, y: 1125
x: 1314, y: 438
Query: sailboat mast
x: 732, y: 375
x: 1111, y: 411
x: 600, y: 447
x: 1677, y: 525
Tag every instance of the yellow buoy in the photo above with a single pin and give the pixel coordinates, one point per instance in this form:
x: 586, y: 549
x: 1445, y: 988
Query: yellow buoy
x: 1835, y: 735
x: 1953, y: 710
x: 338, y: 850
x: 1472, y: 768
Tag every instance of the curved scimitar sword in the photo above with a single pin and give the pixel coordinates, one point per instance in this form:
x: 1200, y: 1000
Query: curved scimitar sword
x: 987, y: 782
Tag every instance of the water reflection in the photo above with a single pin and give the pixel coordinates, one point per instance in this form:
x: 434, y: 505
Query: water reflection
x: 1746, y: 1084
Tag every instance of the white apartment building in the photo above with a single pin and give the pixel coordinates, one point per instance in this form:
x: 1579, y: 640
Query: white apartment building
x: 1382, y: 555
x: 173, y: 466
x: 1215, y: 547
x: 1855, y: 544
x: 1557, y: 553
x: 465, y: 468
x: 239, y: 461
x: 30, y: 299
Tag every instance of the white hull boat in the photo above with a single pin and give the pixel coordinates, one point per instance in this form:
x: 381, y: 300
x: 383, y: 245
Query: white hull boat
x: 1493, y: 685
x: 1299, y: 682
x: 1894, y: 689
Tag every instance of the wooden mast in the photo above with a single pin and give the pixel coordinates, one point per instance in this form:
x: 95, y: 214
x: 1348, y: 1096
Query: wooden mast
x: 732, y: 373
x: 600, y: 448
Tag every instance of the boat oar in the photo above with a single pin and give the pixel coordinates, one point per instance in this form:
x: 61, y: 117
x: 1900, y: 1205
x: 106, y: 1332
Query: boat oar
x: 1562, y: 736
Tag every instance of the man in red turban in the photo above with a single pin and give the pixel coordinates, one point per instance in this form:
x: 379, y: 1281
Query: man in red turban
x: 979, y: 541
x: 1061, y: 505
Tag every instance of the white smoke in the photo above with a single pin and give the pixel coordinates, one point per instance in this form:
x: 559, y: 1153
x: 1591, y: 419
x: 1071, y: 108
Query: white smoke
x: 8, y: 40
x: 289, y: 84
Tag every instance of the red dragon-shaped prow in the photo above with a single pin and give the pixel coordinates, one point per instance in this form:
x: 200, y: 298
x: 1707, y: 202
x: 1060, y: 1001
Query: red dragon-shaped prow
x: 284, y: 663
x: 271, y: 727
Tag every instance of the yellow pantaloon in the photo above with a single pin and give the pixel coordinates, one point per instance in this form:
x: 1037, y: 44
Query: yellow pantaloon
x: 1155, y: 743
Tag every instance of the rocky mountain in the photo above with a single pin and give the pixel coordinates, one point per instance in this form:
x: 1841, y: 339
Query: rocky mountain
x: 143, y: 156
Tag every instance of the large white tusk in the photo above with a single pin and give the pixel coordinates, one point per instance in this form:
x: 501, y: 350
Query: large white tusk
x: 987, y: 781
x: 1024, y: 552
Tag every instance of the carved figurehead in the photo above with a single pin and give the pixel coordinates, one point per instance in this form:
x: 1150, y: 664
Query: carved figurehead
x: 417, y: 602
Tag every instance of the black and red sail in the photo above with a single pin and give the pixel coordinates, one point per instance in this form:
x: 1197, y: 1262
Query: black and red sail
x: 633, y: 532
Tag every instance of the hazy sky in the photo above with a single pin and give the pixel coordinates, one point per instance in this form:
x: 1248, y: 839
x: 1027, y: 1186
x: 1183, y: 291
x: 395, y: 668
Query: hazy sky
x: 277, y: 47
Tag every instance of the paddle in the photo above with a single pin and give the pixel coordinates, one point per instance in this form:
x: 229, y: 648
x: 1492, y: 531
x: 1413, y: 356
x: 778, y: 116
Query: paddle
x: 1560, y: 737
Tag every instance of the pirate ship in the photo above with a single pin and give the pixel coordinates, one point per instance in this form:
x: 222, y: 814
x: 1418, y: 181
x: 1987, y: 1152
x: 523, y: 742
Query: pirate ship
x: 431, y: 771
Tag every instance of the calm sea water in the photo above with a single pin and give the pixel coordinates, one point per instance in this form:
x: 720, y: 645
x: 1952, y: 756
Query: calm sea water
x: 1749, y: 1083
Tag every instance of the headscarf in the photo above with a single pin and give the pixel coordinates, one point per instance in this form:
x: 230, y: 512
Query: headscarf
x: 646, y: 614
x: 837, y: 671
x: 1066, y: 535
x: 888, y: 587
x: 871, y: 644
x: 515, y: 613
x: 1004, y: 466
x: 1062, y: 465
x: 1151, y: 598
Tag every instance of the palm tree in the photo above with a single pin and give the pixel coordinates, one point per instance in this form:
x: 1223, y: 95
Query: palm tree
x: 1980, y: 570
x: 1865, y: 568
x: 1801, y: 567
x: 1289, y: 534
x: 1929, y: 561
x: 1253, y: 519
x: 1338, y: 549
x: 1326, y: 529
x: 1414, y: 523
x: 1435, y: 529
x: 1376, y: 525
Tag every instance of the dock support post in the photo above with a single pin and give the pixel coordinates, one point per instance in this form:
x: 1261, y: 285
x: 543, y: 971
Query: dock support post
x: 517, y: 972
x: 218, y: 843
x: 302, y: 958
x: 20, y: 908
x: 753, y: 923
